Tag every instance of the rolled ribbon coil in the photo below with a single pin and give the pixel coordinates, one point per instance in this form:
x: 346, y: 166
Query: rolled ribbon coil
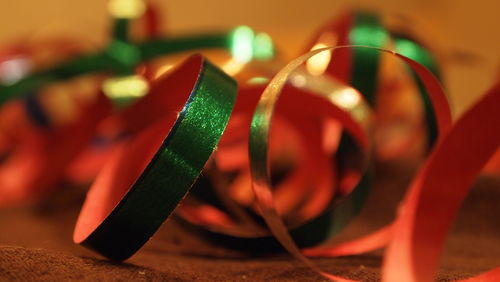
x: 142, y: 184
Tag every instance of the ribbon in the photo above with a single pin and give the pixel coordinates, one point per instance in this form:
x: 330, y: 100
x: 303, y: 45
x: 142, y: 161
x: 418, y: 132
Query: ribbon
x: 121, y: 58
x: 259, y: 134
x: 438, y: 190
x: 110, y: 61
x: 307, y: 182
x: 145, y: 179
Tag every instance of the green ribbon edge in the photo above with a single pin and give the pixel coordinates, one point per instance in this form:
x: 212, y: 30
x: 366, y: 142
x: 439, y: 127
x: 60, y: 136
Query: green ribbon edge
x: 367, y: 31
x: 106, y: 61
x: 172, y: 171
x: 413, y: 50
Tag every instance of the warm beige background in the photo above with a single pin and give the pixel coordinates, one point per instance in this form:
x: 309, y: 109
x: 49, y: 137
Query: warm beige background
x: 461, y: 25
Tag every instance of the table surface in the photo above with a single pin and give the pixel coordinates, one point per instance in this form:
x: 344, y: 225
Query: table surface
x: 35, y: 243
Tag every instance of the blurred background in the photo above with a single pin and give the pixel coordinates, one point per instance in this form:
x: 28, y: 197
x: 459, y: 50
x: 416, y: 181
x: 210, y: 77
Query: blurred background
x: 465, y: 36
x: 465, y: 33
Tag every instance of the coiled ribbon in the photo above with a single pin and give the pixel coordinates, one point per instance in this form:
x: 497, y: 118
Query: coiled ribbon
x: 322, y: 125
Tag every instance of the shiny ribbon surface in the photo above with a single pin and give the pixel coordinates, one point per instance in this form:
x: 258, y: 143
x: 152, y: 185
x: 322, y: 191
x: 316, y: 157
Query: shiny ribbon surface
x: 279, y: 155
x: 146, y: 179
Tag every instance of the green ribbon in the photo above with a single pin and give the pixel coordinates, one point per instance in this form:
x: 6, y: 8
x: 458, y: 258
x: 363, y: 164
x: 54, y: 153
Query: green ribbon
x: 122, y: 56
x: 417, y: 52
x: 111, y: 60
x: 368, y: 31
x: 172, y: 171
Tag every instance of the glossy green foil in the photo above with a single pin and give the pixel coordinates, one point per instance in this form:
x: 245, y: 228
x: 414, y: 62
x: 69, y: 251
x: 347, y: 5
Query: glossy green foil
x: 172, y: 171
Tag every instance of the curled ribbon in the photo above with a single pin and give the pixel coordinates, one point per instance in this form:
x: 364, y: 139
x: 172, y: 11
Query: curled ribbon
x: 259, y: 133
x: 322, y: 141
x: 145, y: 180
